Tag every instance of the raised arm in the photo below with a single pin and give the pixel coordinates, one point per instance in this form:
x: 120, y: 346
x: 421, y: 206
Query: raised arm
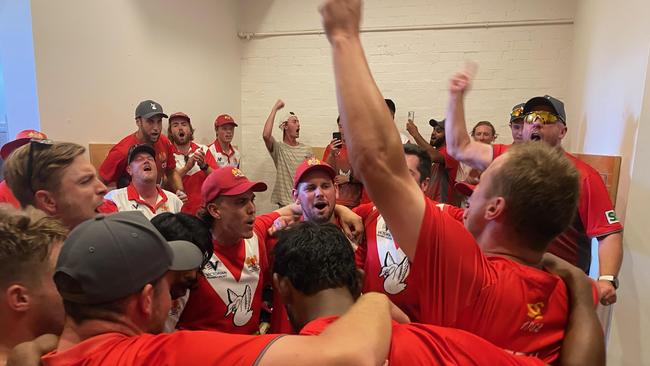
x: 360, y: 337
x: 459, y: 145
x: 436, y: 156
x: 374, y: 145
x: 267, y: 133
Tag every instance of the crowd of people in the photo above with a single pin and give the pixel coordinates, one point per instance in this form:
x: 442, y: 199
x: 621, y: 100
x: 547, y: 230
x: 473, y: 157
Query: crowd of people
x: 451, y: 250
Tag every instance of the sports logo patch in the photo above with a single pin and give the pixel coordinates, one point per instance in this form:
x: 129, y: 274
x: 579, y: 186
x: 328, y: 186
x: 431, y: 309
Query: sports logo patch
x: 535, y: 311
x: 313, y: 161
x: 237, y: 173
x: 611, y: 217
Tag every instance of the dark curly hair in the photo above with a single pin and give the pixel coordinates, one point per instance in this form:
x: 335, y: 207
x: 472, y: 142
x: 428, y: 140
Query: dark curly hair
x: 316, y: 257
x: 181, y: 226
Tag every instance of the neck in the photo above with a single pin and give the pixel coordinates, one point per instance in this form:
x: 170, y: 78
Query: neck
x: 290, y: 140
x: 224, y: 237
x: 141, y: 137
x: 184, y: 148
x: 74, y: 333
x: 328, y: 302
x: 147, y: 190
x: 494, y: 241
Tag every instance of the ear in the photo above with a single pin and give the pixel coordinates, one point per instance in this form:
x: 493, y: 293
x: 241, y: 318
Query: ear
x: 18, y: 298
x: 336, y: 189
x: 563, y: 131
x: 424, y: 186
x: 495, y: 208
x: 45, y: 201
x: 128, y: 170
x: 138, y: 122
x: 294, y: 194
x: 284, y: 288
x: 146, y: 300
x: 213, y: 209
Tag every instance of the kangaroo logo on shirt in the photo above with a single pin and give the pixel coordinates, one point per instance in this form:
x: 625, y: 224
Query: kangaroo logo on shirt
x: 394, y: 274
x: 240, y: 306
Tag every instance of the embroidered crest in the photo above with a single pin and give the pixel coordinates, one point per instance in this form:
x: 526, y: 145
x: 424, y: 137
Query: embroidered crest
x: 313, y: 161
x: 253, y: 263
x: 240, y: 306
x: 237, y: 173
x: 394, y: 274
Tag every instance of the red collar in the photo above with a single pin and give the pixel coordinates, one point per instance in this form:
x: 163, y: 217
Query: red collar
x: 133, y: 195
x: 217, y: 147
x: 318, y: 325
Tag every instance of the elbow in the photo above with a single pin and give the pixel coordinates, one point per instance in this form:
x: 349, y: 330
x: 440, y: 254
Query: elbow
x: 369, y: 163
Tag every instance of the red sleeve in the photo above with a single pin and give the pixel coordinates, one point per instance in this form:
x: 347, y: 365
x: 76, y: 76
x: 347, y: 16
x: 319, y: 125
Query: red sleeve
x: 326, y: 153
x: 450, y: 163
x: 595, y: 208
x: 210, y: 160
x: 263, y: 223
x: 450, y: 265
x: 114, y: 165
x: 171, y: 161
x: 453, y: 211
x: 364, y: 210
x: 499, y: 149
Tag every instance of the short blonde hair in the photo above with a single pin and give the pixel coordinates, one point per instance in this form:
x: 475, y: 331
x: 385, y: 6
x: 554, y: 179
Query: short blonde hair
x: 26, y: 238
x: 48, y: 164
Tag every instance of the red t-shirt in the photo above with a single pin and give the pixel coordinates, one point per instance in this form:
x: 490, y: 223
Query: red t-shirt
x: 178, y: 348
x: 441, y: 186
x: 7, y: 196
x: 516, y: 307
x: 422, y: 344
x: 114, y: 166
x: 192, y: 181
x: 228, y: 297
x: 349, y: 193
x: 595, y: 217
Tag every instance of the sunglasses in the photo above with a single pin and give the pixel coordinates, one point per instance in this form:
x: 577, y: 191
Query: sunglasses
x: 33, y: 144
x: 517, y: 112
x: 546, y: 118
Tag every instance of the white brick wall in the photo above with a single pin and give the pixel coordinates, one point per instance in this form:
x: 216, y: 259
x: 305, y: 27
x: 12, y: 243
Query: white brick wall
x: 412, y: 68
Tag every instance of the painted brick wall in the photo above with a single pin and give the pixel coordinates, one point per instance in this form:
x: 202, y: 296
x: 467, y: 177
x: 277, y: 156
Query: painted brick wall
x: 410, y: 67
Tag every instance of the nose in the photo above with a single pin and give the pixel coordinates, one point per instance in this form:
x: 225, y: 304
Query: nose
x: 101, y: 187
x: 250, y: 208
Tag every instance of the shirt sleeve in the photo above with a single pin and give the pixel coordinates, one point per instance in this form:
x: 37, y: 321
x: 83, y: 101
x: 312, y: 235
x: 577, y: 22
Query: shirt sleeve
x: 450, y: 265
x: 275, y: 151
x: 171, y: 160
x: 595, y: 208
x: 326, y: 154
x: 113, y: 166
x: 498, y: 149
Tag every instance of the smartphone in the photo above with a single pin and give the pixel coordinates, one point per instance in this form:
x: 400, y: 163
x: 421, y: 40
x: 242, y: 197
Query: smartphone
x: 336, y: 135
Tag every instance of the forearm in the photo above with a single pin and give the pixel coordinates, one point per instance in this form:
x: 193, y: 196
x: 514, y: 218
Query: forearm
x: 458, y: 142
x: 267, y: 132
x: 610, y: 254
x: 289, y: 210
x: 174, y: 180
x: 435, y: 155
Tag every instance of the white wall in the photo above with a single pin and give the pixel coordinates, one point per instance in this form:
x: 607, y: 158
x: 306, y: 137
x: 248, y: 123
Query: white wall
x: 17, y: 60
x: 96, y: 60
x: 609, y: 112
x: 412, y: 67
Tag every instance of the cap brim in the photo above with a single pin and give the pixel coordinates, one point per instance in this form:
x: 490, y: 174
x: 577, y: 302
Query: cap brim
x: 10, y: 146
x: 326, y: 168
x: 187, y: 256
x: 149, y: 115
x: 465, y: 189
x: 140, y: 149
x: 227, y: 123
x: 243, y: 188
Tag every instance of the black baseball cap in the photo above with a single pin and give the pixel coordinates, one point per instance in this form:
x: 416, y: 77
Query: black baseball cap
x: 434, y: 123
x: 148, y: 109
x: 556, y: 104
x: 110, y: 257
x: 138, y: 148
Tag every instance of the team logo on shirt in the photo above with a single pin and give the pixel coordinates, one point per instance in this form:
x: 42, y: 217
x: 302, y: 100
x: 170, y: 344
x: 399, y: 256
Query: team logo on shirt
x: 212, y: 270
x: 611, y: 217
x: 395, y: 274
x: 162, y: 158
x: 534, y: 313
x: 240, y: 306
x: 252, y: 263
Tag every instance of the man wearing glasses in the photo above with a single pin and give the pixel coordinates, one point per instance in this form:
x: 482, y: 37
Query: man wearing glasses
x: 56, y: 178
x: 544, y: 119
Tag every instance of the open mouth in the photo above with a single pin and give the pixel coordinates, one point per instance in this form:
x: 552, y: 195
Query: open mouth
x: 320, y: 205
x: 181, y: 134
x: 535, y: 136
x: 147, y: 168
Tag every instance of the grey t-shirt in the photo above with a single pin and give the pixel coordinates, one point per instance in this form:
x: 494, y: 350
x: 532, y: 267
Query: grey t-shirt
x: 286, y: 159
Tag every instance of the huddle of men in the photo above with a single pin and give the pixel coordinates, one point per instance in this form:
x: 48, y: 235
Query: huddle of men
x: 123, y: 277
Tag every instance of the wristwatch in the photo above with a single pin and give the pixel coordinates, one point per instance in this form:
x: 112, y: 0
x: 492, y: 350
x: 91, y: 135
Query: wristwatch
x: 610, y: 278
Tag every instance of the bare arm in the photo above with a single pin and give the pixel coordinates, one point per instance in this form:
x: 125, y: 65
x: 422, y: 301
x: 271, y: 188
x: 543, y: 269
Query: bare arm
x: 583, y: 342
x: 436, y: 156
x: 459, y: 145
x: 360, y: 337
x: 267, y: 133
x: 29, y: 353
x: 610, y: 256
x: 174, y: 181
x: 375, y: 148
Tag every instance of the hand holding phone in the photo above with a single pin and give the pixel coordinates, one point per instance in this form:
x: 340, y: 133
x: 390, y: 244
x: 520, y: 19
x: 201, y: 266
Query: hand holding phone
x: 337, y: 141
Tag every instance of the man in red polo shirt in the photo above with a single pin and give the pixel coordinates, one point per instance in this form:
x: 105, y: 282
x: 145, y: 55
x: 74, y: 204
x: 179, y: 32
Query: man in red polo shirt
x: 190, y: 159
x: 148, y: 118
x: 487, y: 281
x: 544, y: 119
x: 316, y: 291
x: 228, y: 297
x: 22, y: 137
x: 143, y: 194
x: 221, y: 153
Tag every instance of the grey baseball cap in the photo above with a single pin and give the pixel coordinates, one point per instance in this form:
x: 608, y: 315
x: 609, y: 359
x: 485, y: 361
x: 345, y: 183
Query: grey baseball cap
x: 148, y: 109
x: 110, y: 257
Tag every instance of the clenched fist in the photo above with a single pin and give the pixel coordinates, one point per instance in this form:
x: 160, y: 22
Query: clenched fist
x: 341, y: 18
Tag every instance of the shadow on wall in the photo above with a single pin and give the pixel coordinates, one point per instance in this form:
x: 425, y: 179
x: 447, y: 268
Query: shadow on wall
x: 627, y: 145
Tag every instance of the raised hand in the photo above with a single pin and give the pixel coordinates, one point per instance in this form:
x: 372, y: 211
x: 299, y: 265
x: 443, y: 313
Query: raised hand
x: 279, y: 104
x: 341, y: 18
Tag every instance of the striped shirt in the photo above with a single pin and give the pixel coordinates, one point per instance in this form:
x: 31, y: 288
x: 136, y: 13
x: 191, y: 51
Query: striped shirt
x: 286, y: 159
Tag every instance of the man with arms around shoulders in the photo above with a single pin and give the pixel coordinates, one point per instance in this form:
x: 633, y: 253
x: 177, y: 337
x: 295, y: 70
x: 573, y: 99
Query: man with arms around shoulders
x: 487, y: 282
x: 286, y: 154
x: 190, y: 159
x: 56, y: 178
x: 143, y: 194
x: 148, y: 119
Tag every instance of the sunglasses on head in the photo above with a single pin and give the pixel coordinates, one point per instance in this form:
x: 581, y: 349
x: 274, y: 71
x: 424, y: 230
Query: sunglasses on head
x: 517, y: 112
x: 34, y: 144
x: 546, y: 118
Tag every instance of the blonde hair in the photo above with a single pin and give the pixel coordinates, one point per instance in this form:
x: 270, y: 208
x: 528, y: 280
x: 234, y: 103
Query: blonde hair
x: 26, y: 238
